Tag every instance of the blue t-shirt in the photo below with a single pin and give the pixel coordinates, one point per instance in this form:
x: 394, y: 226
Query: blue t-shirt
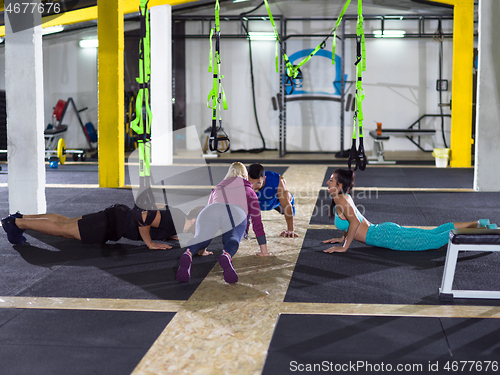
x: 268, y: 195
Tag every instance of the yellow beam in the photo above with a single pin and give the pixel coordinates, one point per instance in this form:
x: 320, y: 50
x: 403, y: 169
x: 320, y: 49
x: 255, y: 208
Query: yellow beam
x: 89, y: 14
x: 461, y: 92
x: 131, y: 6
x: 68, y: 18
x: 81, y: 15
x: 110, y: 94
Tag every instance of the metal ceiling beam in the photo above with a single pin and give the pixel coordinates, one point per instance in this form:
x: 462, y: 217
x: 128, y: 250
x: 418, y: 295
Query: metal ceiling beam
x: 86, y: 10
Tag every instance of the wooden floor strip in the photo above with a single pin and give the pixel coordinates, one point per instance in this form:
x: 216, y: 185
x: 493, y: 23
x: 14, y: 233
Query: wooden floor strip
x: 90, y: 304
x: 228, y: 328
x: 437, y: 311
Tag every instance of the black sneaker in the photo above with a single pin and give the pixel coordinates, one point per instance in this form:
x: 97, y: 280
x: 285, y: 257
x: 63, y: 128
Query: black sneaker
x: 17, y: 215
x: 14, y: 234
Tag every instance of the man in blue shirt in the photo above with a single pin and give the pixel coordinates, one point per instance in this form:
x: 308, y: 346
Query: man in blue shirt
x: 271, y: 190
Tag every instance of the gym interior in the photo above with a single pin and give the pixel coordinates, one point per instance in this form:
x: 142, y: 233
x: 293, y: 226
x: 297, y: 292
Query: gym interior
x: 101, y: 97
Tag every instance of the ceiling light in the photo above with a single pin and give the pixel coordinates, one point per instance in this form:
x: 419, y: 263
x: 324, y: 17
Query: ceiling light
x: 389, y: 33
x: 52, y: 30
x: 239, y: 1
x: 89, y: 43
x: 253, y: 35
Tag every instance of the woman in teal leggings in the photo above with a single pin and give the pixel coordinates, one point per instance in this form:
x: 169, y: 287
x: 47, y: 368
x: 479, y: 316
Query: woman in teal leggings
x: 388, y: 235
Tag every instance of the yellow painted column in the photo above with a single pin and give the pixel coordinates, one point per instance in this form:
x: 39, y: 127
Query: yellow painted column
x: 461, y: 92
x: 110, y: 94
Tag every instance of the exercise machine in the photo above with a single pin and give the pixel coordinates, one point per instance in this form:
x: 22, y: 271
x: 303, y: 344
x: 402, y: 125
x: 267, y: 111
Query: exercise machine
x: 55, y: 145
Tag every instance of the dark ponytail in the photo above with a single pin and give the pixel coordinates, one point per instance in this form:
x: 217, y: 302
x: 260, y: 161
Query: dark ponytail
x: 346, y: 178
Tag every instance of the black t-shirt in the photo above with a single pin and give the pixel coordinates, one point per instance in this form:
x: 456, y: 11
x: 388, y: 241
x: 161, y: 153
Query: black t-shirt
x: 171, y: 223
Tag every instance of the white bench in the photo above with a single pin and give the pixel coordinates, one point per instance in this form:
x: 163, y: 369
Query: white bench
x: 467, y: 240
x: 378, y: 141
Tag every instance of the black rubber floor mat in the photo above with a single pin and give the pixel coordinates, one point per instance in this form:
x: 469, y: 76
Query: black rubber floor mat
x: 370, y: 344
x: 416, y: 208
x: 401, y: 177
x: 366, y: 274
x: 76, y: 341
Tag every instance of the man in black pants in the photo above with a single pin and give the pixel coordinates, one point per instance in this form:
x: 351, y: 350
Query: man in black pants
x: 110, y: 224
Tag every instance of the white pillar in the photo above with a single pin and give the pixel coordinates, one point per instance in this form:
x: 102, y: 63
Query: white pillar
x: 25, y: 121
x: 487, y: 152
x: 161, y: 85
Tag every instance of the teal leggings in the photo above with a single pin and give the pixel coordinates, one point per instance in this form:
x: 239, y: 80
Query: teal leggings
x: 395, y: 237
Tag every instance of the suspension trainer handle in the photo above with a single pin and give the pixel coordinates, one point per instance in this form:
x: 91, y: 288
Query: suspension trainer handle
x: 353, y: 156
x: 222, y: 139
x: 361, y: 159
x: 212, y: 139
x: 215, y: 139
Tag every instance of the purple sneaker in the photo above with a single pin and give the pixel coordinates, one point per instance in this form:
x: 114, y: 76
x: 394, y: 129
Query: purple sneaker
x: 184, y: 271
x: 225, y: 262
x: 14, y: 234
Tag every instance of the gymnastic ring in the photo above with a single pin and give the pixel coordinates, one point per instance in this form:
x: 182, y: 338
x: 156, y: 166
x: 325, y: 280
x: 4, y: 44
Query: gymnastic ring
x: 225, y: 144
x: 61, y: 151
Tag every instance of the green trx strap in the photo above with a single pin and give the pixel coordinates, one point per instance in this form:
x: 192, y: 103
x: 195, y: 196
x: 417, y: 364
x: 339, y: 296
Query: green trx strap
x: 290, y: 71
x: 216, y: 95
x: 141, y: 125
x: 359, y: 155
x: 293, y: 70
x: 339, y: 19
